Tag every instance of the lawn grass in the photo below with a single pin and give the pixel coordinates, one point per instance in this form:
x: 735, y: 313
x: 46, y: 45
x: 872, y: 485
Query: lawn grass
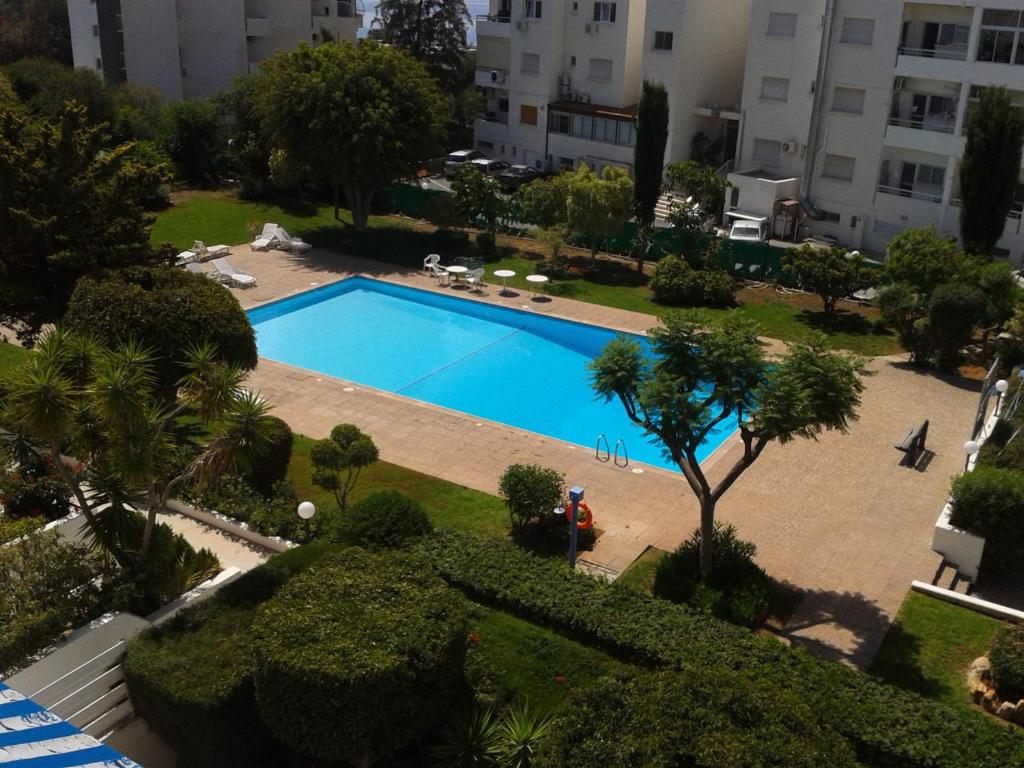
x: 218, y: 217
x: 929, y: 647
x: 448, y: 504
x: 11, y: 356
x: 640, y: 573
x: 510, y: 659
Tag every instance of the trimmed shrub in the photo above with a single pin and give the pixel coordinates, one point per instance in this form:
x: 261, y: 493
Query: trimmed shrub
x: 738, y: 590
x: 28, y: 633
x: 886, y: 727
x: 1007, y: 657
x: 386, y: 519
x: 990, y: 502
x: 677, y: 719
x: 485, y: 243
x: 677, y: 284
x: 34, y: 489
x: 272, y: 467
x: 191, y: 678
x: 274, y: 516
x: 359, y: 656
x: 531, y: 492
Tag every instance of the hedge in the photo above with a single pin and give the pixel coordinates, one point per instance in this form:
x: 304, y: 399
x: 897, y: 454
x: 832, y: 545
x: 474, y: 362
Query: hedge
x: 359, y: 656
x: 990, y: 503
x: 887, y: 727
x: 192, y: 677
x: 272, y: 467
x: 385, y: 519
x: 26, y: 634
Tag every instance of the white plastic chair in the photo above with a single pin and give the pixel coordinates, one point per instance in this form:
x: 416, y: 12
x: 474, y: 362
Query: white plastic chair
x: 442, y: 275
x: 475, y: 278
x: 433, y: 260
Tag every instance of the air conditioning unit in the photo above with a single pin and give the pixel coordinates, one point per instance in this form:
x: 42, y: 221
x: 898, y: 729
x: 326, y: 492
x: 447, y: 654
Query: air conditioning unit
x: 900, y: 83
x: 791, y: 147
x: 497, y: 76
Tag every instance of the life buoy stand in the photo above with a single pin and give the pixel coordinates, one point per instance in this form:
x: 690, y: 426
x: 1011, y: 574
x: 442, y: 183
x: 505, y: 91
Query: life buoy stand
x: 584, y: 517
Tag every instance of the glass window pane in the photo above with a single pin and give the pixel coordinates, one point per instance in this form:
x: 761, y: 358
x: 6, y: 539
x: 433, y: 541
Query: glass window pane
x: 767, y: 152
x: 839, y: 167
x: 600, y: 69
x: 775, y: 88
x: 858, y: 31
x: 782, y: 24
x: 848, y: 100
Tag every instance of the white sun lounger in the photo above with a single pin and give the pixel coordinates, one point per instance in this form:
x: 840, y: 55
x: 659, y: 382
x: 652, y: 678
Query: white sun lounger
x: 267, y: 238
x: 288, y: 243
x: 240, y: 279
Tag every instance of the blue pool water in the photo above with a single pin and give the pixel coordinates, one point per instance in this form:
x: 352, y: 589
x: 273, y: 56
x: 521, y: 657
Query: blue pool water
x: 514, y: 367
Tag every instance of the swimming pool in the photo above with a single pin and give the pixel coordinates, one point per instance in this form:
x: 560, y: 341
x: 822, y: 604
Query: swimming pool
x: 505, y: 365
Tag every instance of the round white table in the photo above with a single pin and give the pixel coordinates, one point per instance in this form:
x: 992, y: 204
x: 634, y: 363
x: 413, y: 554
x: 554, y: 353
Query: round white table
x: 538, y: 281
x: 504, y: 274
x: 457, y: 270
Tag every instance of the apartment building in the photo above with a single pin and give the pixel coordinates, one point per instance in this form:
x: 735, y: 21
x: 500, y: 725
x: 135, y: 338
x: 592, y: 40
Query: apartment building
x: 195, y: 48
x: 853, y: 114
x: 561, y: 78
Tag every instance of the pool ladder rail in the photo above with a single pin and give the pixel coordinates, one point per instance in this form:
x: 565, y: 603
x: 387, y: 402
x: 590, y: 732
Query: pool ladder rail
x: 608, y: 455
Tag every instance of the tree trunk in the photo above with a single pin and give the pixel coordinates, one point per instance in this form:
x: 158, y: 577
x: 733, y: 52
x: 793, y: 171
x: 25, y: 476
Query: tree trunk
x: 359, y: 201
x: 707, y: 534
x: 153, y: 501
x: 337, y: 206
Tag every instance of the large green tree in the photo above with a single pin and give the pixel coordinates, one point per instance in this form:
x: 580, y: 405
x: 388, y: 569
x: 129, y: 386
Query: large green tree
x: 478, y: 196
x: 830, y: 273
x: 359, y: 116
x: 45, y: 87
x: 103, y: 406
x: 990, y: 170
x: 649, y: 155
x: 433, y: 31
x: 194, y: 136
x: 598, y: 206
x: 700, y: 379
x: 34, y: 28
x: 545, y: 202
x: 701, y: 182
x: 71, y: 206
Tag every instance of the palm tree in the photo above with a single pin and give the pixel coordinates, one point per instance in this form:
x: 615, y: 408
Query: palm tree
x: 103, y: 406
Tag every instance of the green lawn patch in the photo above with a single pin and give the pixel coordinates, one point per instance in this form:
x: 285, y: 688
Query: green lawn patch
x: 11, y: 356
x: 929, y: 647
x: 449, y: 505
x: 511, y: 659
x: 640, y: 573
x: 218, y: 217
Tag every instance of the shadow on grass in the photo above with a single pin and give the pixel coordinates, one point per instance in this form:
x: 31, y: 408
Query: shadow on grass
x: 606, y: 272
x: 841, y: 321
x: 899, y: 663
x: 548, y: 541
x: 858, y: 625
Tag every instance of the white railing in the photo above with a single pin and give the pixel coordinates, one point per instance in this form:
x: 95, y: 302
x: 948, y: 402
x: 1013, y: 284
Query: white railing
x: 930, y: 197
x: 950, y: 52
x: 936, y: 124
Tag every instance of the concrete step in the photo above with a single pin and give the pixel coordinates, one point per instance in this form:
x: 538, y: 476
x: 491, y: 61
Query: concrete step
x: 595, y: 569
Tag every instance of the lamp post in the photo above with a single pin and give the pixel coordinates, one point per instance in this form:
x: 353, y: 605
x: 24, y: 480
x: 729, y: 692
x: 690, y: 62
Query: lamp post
x: 1001, y: 387
x: 971, y: 448
x: 306, y: 511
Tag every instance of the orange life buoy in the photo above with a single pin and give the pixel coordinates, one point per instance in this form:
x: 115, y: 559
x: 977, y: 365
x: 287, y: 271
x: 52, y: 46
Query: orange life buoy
x: 588, y: 517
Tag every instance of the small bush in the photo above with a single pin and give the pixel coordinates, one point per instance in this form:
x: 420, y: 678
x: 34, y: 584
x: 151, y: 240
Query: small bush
x: 989, y: 502
x: 272, y: 467
x: 675, y: 283
x: 358, y: 656
x: 531, y: 493
x: 1007, y: 656
x: 34, y: 489
x: 738, y: 589
x: 485, y: 243
x: 386, y: 519
x: 691, y: 719
x: 274, y: 516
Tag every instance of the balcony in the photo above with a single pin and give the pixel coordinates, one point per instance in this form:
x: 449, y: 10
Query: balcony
x: 493, y: 26
x: 492, y: 127
x: 954, y: 52
x: 350, y: 9
x: 488, y: 77
x: 934, y: 31
x: 257, y: 27
x: 929, y: 193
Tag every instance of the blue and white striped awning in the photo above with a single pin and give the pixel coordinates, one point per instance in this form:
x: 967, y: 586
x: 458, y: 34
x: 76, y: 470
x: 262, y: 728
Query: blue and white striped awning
x: 33, y: 737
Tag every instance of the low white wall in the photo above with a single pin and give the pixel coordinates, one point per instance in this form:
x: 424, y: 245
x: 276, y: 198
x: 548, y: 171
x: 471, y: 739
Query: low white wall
x: 966, y: 601
x: 231, y: 526
x: 961, y: 548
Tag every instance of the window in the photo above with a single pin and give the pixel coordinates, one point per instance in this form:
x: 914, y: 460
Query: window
x: 582, y: 127
x: 559, y: 123
x: 527, y: 114
x: 601, y: 69
x: 931, y: 175
x: 782, y: 25
x: 775, y: 88
x: 503, y: 105
x: 99, y: 63
x: 627, y: 134
x: 839, y: 167
x: 531, y: 64
x: 858, y: 31
x: 532, y: 8
x: 604, y: 130
x: 567, y: 162
x: 1002, y: 37
x: 850, y: 100
x: 604, y: 11
x: 485, y: 144
x: 767, y: 153
x: 95, y: 30
x: 572, y: 61
x: 663, y: 41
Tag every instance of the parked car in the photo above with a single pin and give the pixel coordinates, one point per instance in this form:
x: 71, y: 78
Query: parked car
x: 490, y: 167
x: 745, y: 229
x: 457, y: 158
x: 515, y: 176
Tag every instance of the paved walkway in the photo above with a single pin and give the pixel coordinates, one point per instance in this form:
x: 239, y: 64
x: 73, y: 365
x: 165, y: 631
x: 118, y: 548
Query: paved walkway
x: 838, y: 518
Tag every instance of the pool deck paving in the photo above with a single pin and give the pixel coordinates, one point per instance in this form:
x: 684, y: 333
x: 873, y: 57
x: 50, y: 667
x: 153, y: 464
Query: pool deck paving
x: 838, y: 518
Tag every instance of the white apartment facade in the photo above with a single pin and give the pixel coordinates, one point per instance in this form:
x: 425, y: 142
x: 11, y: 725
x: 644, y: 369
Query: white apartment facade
x: 561, y: 78
x: 856, y: 110
x: 195, y: 48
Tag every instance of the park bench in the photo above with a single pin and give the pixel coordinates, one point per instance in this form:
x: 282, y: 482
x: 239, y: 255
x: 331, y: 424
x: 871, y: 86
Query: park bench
x: 912, y: 444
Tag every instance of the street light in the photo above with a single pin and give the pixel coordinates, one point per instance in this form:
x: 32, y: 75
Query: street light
x: 971, y: 448
x: 306, y: 511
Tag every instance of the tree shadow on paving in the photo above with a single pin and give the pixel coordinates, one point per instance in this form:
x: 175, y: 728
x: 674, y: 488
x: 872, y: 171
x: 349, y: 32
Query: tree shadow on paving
x: 841, y: 321
x: 969, y: 385
x: 858, y: 625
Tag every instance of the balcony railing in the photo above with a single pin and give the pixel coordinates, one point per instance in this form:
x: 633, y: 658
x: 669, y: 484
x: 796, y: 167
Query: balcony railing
x: 502, y: 17
x: 936, y: 123
x: 500, y: 118
x: 950, y: 52
x: 915, y: 194
x: 350, y: 9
